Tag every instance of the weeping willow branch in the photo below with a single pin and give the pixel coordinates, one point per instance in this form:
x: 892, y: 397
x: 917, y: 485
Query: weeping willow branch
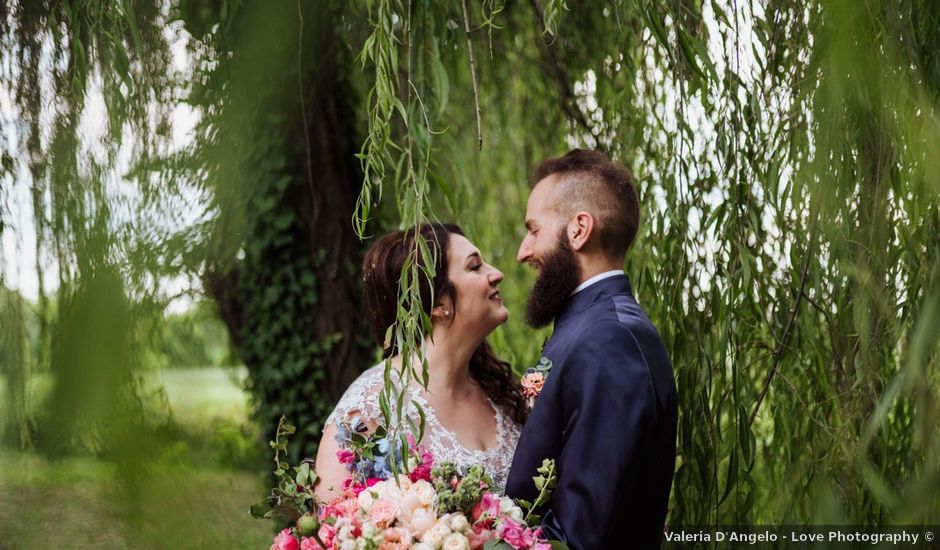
x: 788, y: 331
x: 569, y: 102
x: 473, y: 75
x: 308, y: 163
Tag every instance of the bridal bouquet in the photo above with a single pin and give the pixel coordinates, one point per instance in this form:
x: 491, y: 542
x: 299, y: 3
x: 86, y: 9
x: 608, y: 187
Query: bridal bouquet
x: 399, y: 498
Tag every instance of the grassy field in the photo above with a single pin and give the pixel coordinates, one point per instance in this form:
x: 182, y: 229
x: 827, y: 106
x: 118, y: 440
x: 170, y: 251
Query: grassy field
x: 205, y: 393
x: 78, y: 503
x: 195, y: 502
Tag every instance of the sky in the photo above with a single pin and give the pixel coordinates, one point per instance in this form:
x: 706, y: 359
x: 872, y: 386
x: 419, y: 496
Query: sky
x: 18, y: 240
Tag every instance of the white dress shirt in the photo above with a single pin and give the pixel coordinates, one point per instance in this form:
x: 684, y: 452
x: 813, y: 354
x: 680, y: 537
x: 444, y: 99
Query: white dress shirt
x: 596, y: 278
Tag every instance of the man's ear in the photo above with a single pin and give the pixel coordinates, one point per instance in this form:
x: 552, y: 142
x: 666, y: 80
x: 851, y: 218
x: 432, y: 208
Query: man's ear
x: 580, y: 229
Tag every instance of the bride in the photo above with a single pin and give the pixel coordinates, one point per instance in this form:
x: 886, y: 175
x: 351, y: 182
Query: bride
x: 474, y: 406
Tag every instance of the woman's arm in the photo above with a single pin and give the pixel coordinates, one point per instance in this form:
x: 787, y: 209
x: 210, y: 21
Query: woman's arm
x: 330, y: 471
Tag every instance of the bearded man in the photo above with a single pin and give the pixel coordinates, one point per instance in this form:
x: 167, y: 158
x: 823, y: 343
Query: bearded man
x: 607, y: 411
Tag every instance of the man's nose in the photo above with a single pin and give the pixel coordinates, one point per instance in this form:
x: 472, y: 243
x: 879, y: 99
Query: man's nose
x: 525, y: 251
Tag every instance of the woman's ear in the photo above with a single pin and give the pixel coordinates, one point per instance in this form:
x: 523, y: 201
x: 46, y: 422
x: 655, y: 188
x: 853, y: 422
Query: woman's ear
x: 443, y: 311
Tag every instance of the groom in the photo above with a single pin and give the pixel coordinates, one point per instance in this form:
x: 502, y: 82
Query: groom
x: 607, y: 411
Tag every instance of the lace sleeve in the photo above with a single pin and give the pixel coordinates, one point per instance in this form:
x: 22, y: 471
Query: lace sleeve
x: 361, y: 398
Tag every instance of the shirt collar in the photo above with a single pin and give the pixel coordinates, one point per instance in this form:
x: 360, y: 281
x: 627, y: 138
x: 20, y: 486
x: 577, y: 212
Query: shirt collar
x: 596, y: 278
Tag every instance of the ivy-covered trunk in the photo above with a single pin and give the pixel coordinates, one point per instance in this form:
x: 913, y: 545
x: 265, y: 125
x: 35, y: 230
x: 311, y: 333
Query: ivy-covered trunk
x: 285, y: 170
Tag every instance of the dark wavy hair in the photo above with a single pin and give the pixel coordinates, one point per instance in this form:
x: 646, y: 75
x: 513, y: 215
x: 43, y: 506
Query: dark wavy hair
x: 381, y: 273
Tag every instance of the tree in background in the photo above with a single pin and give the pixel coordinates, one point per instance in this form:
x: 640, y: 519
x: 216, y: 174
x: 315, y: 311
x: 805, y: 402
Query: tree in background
x: 275, y: 150
x: 787, y: 170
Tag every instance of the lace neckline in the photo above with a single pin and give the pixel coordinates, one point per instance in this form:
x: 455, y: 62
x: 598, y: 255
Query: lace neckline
x: 439, y: 428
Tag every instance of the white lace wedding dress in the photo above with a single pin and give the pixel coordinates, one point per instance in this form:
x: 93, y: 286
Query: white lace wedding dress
x: 362, y: 399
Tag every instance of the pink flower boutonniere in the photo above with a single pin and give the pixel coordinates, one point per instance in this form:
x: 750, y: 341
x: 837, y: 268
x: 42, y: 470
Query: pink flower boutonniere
x: 534, y: 378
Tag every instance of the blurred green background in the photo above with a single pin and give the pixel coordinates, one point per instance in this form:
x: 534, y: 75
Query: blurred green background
x: 184, y: 185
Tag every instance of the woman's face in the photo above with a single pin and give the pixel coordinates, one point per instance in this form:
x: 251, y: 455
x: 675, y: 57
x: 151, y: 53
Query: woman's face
x: 478, y: 303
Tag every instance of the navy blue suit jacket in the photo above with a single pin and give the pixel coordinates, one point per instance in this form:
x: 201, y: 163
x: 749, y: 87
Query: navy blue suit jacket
x: 607, y: 414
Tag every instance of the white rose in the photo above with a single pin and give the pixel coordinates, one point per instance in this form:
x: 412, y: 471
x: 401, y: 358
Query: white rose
x: 435, y: 535
x: 344, y: 534
x: 422, y: 519
x: 392, y: 492
x: 369, y: 530
x: 455, y: 541
x: 366, y: 500
x: 425, y: 492
x: 379, y: 489
x: 459, y: 524
x: 412, y: 501
x: 404, y: 483
x: 421, y: 546
x: 340, y: 523
x: 348, y: 545
x: 508, y: 507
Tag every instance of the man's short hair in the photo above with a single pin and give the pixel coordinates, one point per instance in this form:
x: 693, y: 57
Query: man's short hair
x: 592, y: 182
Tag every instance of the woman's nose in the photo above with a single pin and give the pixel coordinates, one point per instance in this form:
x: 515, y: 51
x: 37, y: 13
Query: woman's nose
x: 496, y: 276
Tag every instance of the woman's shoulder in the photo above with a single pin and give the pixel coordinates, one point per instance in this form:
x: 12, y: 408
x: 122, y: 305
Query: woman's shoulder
x: 361, y: 398
x: 369, y: 377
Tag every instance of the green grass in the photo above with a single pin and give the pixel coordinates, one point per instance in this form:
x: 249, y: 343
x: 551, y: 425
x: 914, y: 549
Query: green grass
x: 78, y: 503
x: 192, y: 496
x: 194, y: 395
x: 204, y: 393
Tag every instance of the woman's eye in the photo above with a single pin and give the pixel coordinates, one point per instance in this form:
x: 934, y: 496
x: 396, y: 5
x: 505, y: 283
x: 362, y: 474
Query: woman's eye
x: 476, y: 267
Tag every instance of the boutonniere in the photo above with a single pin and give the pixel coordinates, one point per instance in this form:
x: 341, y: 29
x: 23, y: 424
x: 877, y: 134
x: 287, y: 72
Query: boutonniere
x: 534, y: 378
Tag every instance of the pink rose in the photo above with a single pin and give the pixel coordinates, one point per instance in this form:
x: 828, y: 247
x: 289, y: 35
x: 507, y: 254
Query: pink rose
x: 340, y: 508
x: 383, y: 513
x: 396, y: 538
x: 490, y: 504
x: 345, y: 456
x: 479, y: 536
x: 543, y: 546
x: 327, y: 533
x: 517, y: 536
x: 285, y: 541
x: 532, y: 384
x: 486, y: 510
x: 310, y: 543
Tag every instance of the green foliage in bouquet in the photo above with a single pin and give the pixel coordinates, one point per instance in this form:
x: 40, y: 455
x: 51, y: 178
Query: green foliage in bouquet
x: 458, y: 492
x: 292, y: 499
x: 545, y: 482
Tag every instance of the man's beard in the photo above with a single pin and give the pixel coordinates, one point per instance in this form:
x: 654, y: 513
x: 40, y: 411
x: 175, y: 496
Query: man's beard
x: 559, y: 274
